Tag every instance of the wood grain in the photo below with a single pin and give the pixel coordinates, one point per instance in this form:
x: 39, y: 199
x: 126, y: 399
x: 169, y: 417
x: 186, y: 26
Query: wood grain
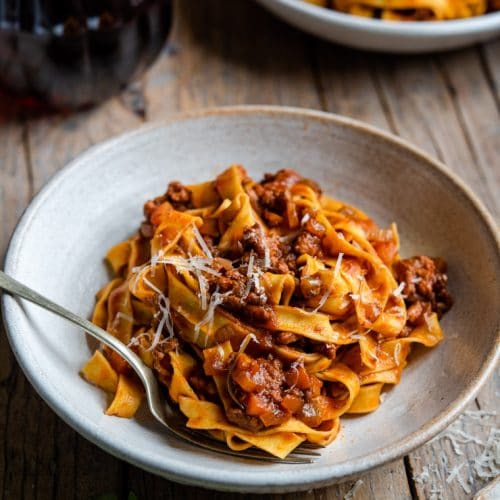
x: 15, y: 192
x: 235, y: 53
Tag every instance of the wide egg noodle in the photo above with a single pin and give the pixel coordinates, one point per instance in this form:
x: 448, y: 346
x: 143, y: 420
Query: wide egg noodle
x: 160, y: 285
x: 408, y: 10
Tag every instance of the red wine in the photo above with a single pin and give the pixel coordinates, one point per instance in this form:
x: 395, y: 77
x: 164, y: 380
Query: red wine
x: 75, y: 53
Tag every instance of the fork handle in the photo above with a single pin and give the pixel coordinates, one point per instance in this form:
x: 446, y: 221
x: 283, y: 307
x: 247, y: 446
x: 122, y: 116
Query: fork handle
x: 13, y: 287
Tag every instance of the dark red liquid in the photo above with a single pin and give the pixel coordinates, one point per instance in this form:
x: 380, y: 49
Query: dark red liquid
x: 75, y: 53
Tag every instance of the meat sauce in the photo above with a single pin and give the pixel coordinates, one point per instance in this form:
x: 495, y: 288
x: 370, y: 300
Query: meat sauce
x: 270, y: 390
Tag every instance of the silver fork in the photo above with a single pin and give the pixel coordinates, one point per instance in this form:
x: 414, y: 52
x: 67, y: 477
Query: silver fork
x: 159, y: 405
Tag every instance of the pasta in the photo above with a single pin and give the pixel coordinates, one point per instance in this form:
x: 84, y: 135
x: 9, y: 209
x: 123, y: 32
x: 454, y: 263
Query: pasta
x: 411, y: 10
x: 267, y: 310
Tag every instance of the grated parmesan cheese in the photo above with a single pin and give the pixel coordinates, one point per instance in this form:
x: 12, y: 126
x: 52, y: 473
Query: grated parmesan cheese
x: 352, y: 492
x: 325, y: 296
x: 166, y: 319
x: 397, y: 351
x: 287, y: 238
x: 336, y: 270
x: 190, y: 264
x: 399, y: 290
x: 201, y: 242
x: 487, y: 465
x: 153, y: 287
x: 305, y: 219
x: 484, y: 467
x: 215, y: 300
x: 154, y: 261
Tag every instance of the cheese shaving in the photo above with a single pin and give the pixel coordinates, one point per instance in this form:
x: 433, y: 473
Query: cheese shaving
x: 267, y: 253
x: 289, y: 237
x: 350, y: 494
x: 399, y: 290
x: 154, y: 261
x: 201, y: 242
x: 487, y: 465
x: 305, y: 219
x: 325, y: 296
x: 215, y: 300
x: 484, y: 467
x: 397, y: 352
x: 203, y: 293
x: 190, y: 264
x: 166, y: 319
x: 153, y: 287
x: 135, y: 340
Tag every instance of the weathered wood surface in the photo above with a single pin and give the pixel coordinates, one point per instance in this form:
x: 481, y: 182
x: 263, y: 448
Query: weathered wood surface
x: 224, y: 53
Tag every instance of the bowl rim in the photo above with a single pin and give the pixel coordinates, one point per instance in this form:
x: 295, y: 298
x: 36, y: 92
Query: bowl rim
x: 446, y: 28
x: 253, y: 480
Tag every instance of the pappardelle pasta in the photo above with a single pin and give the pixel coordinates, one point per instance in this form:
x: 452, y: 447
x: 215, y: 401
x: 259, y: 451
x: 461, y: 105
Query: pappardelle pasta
x: 267, y: 310
x: 411, y: 10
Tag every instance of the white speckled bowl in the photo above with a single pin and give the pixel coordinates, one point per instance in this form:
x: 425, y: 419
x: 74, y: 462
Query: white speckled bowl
x: 385, y: 36
x: 59, y: 244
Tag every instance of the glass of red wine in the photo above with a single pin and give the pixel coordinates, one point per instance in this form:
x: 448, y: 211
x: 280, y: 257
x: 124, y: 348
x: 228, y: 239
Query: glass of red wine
x: 77, y: 53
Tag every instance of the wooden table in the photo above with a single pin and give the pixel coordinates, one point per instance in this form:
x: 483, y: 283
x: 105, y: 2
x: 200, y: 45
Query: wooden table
x: 233, y: 52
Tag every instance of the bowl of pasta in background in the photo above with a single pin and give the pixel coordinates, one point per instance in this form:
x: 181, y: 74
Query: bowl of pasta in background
x: 385, y: 35
x: 59, y: 252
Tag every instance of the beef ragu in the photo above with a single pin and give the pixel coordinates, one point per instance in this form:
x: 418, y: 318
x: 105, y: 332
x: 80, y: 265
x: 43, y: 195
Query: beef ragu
x: 267, y: 309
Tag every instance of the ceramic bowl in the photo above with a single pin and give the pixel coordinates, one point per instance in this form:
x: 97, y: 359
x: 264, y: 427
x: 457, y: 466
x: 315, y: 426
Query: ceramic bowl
x: 96, y: 201
x: 385, y: 36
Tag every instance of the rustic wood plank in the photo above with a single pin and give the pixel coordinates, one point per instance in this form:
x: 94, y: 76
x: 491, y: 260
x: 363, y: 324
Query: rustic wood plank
x: 346, y: 79
x: 224, y: 53
x: 425, y: 113
x: 14, y: 194
x: 56, y: 139
x: 478, y: 114
x: 381, y: 484
x: 229, y: 54
x: 455, y: 103
x: 446, y: 107
x: 43, y: 457
x: 491, y: 51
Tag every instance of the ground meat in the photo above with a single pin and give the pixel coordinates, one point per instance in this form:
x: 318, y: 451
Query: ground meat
x: 253, y: 240
x: 261, y: 315
x: 211, y: 244
x: 328, y: 350
x: 315, y: 228
x: 161, y: 359
x: 203, y: 385
x: 287, y: 337
x: 249, y: 304
x: 149, y: 208
x: 178, y: 195
x: 425, y: 286
x: 282, y: 258
x: 309, y: 244
x: 147, y: 230
x: 273, y: 393
x: 271, y: 198
x: 260, y: 384
x: 241, y: 419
